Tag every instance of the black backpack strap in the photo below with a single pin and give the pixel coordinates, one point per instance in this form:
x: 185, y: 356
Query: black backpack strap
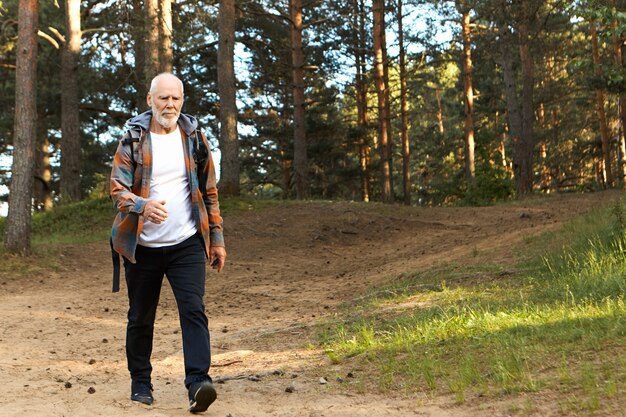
x: 200, y: 156
x: 116, y: 267
x: 132, y: 141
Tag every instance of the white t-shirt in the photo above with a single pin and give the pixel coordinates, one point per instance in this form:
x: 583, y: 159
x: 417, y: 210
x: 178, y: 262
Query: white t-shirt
x: 169, y: 182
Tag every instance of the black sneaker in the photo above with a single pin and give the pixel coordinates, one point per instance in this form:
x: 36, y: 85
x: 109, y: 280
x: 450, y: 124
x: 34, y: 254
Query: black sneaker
x: 141, y: 392
x: 201, y: 396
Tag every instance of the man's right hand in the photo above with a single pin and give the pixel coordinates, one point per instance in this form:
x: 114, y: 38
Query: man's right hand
x: 155, y: 211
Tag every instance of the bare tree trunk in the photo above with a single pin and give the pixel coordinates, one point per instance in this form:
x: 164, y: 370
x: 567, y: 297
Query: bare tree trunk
x: 514, y: 116
x: 621, y: 104
x: 404, y: 113
x: 152, y: 45
x: 524, y: 150
x: 383, y: 111
x: 361, y: 96
x: 544, y: 182
x: 600, y: 99
x: 383, y: 42
x: 18, y: 223
x: 228, y: 138
x: 470, y: 168
x: 70, y: 121
x: 300, y: 163
x: 166, y: 54
x: 138, y: 28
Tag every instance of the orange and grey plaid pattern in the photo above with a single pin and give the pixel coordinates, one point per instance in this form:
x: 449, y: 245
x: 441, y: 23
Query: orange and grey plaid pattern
x: 130, y: 188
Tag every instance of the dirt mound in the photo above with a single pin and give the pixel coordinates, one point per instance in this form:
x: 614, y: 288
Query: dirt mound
x: 62, y: 332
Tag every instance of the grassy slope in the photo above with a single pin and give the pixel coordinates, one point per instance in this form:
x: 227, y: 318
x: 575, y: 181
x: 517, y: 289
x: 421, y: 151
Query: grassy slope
x: 85, y: 222
x: 558, y: 325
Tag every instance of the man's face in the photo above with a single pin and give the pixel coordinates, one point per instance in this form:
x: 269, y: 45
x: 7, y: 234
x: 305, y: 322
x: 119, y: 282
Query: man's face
x: 166, y: 101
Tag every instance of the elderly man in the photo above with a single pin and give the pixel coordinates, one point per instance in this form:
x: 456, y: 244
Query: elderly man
x: 168, y: 222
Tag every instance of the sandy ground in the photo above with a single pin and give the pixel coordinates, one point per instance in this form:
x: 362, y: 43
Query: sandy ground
x: 289, y: 268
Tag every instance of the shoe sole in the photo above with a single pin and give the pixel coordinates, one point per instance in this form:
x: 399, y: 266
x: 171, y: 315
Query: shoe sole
x: 142, y: 400
x: 203, y: 398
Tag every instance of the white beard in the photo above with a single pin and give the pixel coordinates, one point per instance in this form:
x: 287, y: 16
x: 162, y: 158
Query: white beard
x: 167, y: 122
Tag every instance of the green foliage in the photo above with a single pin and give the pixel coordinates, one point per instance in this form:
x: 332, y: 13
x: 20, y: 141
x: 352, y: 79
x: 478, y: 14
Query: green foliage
x: 492, y: 183
x: 565, y: 79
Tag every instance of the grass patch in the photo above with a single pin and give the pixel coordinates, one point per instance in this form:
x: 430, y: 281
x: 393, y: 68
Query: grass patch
x: 557, y: 323
x: 84, y: 222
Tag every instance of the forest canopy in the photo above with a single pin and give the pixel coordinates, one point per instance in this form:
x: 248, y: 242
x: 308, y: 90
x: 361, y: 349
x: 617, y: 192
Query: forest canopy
x: 428, y: 102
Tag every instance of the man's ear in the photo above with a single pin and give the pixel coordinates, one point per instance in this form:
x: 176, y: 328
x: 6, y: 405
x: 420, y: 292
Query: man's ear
x: 149, y: 100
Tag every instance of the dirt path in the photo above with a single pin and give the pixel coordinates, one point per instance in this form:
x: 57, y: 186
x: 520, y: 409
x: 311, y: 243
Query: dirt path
x: 62, y: 332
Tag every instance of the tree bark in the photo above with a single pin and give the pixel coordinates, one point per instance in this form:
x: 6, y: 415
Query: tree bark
x: 383, y: 42
x: 228, y: 138
x: 166, y: 54
x: 600, y: 99
x: 525, y: 146
x: 70, y: 121
x: 361, y: 96
x: 514, y: 115
x: 621, y: 103
x: 18, y: 223
x: 383, y: 111
x: 404, y: 112
x: 138, y: 28
x: 300, y: 163
x: 470, y: 169
x: 152, y: 45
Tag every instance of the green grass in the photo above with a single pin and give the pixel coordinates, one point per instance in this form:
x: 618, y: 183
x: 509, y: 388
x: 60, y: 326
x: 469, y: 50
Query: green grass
x: 90, y: 220
x: 556, y: 322
x: 85, y: 222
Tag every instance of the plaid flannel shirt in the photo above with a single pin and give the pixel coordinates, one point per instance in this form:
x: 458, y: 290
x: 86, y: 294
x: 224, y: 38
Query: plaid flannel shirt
x: 130, y: 188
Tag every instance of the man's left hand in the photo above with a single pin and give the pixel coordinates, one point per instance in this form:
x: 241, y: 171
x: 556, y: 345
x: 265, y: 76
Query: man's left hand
x: 217, y: 256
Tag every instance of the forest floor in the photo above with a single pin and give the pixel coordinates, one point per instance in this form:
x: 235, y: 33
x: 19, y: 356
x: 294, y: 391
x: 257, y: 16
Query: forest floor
x: 290, y: 269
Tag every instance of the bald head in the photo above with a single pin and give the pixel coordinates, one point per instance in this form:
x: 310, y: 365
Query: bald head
x: 165, y: 78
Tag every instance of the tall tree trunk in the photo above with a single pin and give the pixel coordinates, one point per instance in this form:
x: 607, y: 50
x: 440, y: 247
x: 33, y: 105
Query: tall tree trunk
x: 300, y: 163
x: 70, y: 121
x: 152, y: 44
x: 470, y: 169
x: 600, y: 99
x: 514, y: 116
x: 138, y: 29
x: 383, y: 42
x: 361, y: 96
x: 383, y: 111
x: 524, y: 150
x: 544, y: 181
x: 18, y: 223
x: 621, y: 103
x: 404, y: 112
x: 166, y: 54
x: 228, y: 138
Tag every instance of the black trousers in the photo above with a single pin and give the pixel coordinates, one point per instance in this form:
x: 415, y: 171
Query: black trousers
x: 185, y: 268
